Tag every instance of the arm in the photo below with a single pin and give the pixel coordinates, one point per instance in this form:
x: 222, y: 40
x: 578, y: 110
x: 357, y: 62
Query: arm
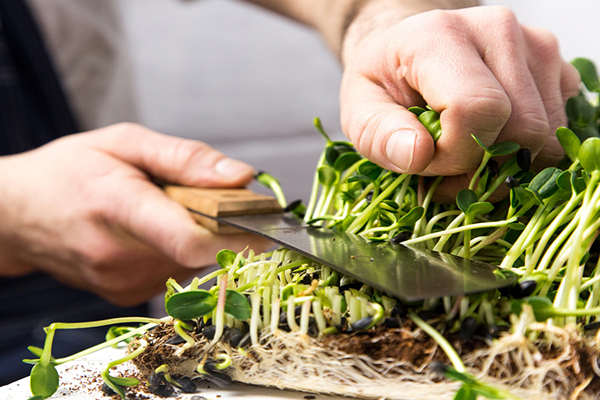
x: 84, y: 210
x: 484, y: 72
x: 332, y: 18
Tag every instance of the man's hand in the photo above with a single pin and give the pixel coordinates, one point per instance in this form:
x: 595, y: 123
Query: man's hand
x: 84, y: 210
x: 484, y: 72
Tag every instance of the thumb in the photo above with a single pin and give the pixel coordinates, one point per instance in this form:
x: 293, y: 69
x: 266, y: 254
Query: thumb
x: 381, y: 129
x: 175, y: 160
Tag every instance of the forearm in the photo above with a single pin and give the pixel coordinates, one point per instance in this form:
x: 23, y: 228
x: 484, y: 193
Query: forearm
x: 334, y: 18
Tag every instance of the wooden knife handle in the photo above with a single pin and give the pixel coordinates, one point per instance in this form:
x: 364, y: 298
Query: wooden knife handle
x: 221, y: 203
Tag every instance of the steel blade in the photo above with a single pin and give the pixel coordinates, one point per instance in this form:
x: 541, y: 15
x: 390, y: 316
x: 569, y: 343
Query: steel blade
x: 397, y: 270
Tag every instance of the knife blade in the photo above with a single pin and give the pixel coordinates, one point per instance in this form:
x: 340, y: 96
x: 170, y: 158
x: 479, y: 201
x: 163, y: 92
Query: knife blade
x: 405, y: 272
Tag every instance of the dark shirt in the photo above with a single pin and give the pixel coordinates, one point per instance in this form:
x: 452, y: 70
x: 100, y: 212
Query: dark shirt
x: 34, y: 111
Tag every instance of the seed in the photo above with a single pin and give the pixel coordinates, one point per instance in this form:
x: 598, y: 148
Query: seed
x: 361, y: 324
x: 399, y: 310
x: 209, y: 332
x: 492, y: 167
x: 218, y: 378
x: 161, y: 390
x: 511, y: 182
x: 157, y: 379
x: 107, y: 390
x: 524, y: 159
x: 592, y: 327
x: 392, y: 323
x: 467, y: 328
x: 186, y: 384
x: 175, y: 340
x: 245, y: 340
x: 292, y: 205
x: 233, y: 337
x: 523, y: 289
x: 401, y: 237
x: 198, y: 398
x: 438, y: 367
x: 353, y: 285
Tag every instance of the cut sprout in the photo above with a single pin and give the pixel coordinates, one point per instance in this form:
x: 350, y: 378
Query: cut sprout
x: 274, y: 317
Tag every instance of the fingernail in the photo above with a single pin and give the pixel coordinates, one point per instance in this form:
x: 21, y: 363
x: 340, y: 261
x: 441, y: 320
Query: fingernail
x: 232, y: 168
x: 400, y: 148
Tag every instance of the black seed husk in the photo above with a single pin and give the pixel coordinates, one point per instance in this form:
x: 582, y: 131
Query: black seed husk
x: 523, y: 289
x: 209, y: 332
x: 292, y: 205
x: 401, y: 237
x: 492, y: 167
x: 511, y: 182
x: 186, y: 385
x: 107, y: 390
x: 175, y: 340
x: 162, y: 390
x: 468, y: 328
x: 233, y: 337
x: 524, y: 159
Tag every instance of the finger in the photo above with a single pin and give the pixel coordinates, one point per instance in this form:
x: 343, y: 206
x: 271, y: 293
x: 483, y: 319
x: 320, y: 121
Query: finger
x: 454, y: 80
x: 569, y: 81
x: 143, y: 210
x: 382, y: 130
x: 175, y: 160
x: 556, y: 80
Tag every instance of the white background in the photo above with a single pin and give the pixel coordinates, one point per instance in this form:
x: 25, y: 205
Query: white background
x: 250, y: 82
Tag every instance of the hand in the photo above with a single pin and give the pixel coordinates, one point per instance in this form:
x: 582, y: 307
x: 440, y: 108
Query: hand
x: 484, y: 72
x: 83, y: 209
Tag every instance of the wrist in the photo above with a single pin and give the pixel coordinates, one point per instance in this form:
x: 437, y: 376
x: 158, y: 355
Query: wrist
x: 11, y: 261
x: 367, y: 17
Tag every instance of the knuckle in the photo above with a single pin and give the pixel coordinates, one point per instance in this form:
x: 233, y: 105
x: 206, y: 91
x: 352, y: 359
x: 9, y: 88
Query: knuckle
x: 488, y: 110
x: 544, y: 45
x: 188, y: 154
x: 184, y: 251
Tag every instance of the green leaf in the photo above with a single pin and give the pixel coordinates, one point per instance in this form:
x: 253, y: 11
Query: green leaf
x: 480, y: 208
x: 503, y: 149
x: 542, y: 307
x: 588, y: 73
x: 237, y: 305
x: 412, y: 217
x: 569, y: 141
x: 579, y: 111
x: 335, y: 149
x: 327, y: 175
x: 36, y: 351
x: 589, y: 154
x: 116, y: 331
x: 431, y: 120
x: 346, y: 160
x: 465, y: 393
x: 190, y: 304
x: 114, y: 386
x: 465, y: 198
x: 36, y: 398
x: 122, y: 381
x: 544, y: 184
x: 564, y: 181
x: 586, y: 132
x: 43, y: 380
x: 480, y: 143
x: 226, y: 258
x: 370, y: 170
x: 417, y: 110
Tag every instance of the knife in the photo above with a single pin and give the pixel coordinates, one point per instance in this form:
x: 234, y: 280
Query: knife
x: 406, y: 272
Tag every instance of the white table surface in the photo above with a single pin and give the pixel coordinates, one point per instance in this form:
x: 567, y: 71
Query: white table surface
x: 75, y: 378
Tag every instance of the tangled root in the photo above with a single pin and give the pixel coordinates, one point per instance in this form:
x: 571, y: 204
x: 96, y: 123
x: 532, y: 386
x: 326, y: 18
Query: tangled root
x: 548, y: 362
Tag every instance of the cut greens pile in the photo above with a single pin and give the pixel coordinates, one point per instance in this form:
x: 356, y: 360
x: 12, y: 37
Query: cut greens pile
x: 279, y: 319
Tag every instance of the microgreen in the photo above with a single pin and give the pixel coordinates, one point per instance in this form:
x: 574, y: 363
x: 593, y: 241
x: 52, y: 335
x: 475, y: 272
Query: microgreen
x: 190, y: 304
